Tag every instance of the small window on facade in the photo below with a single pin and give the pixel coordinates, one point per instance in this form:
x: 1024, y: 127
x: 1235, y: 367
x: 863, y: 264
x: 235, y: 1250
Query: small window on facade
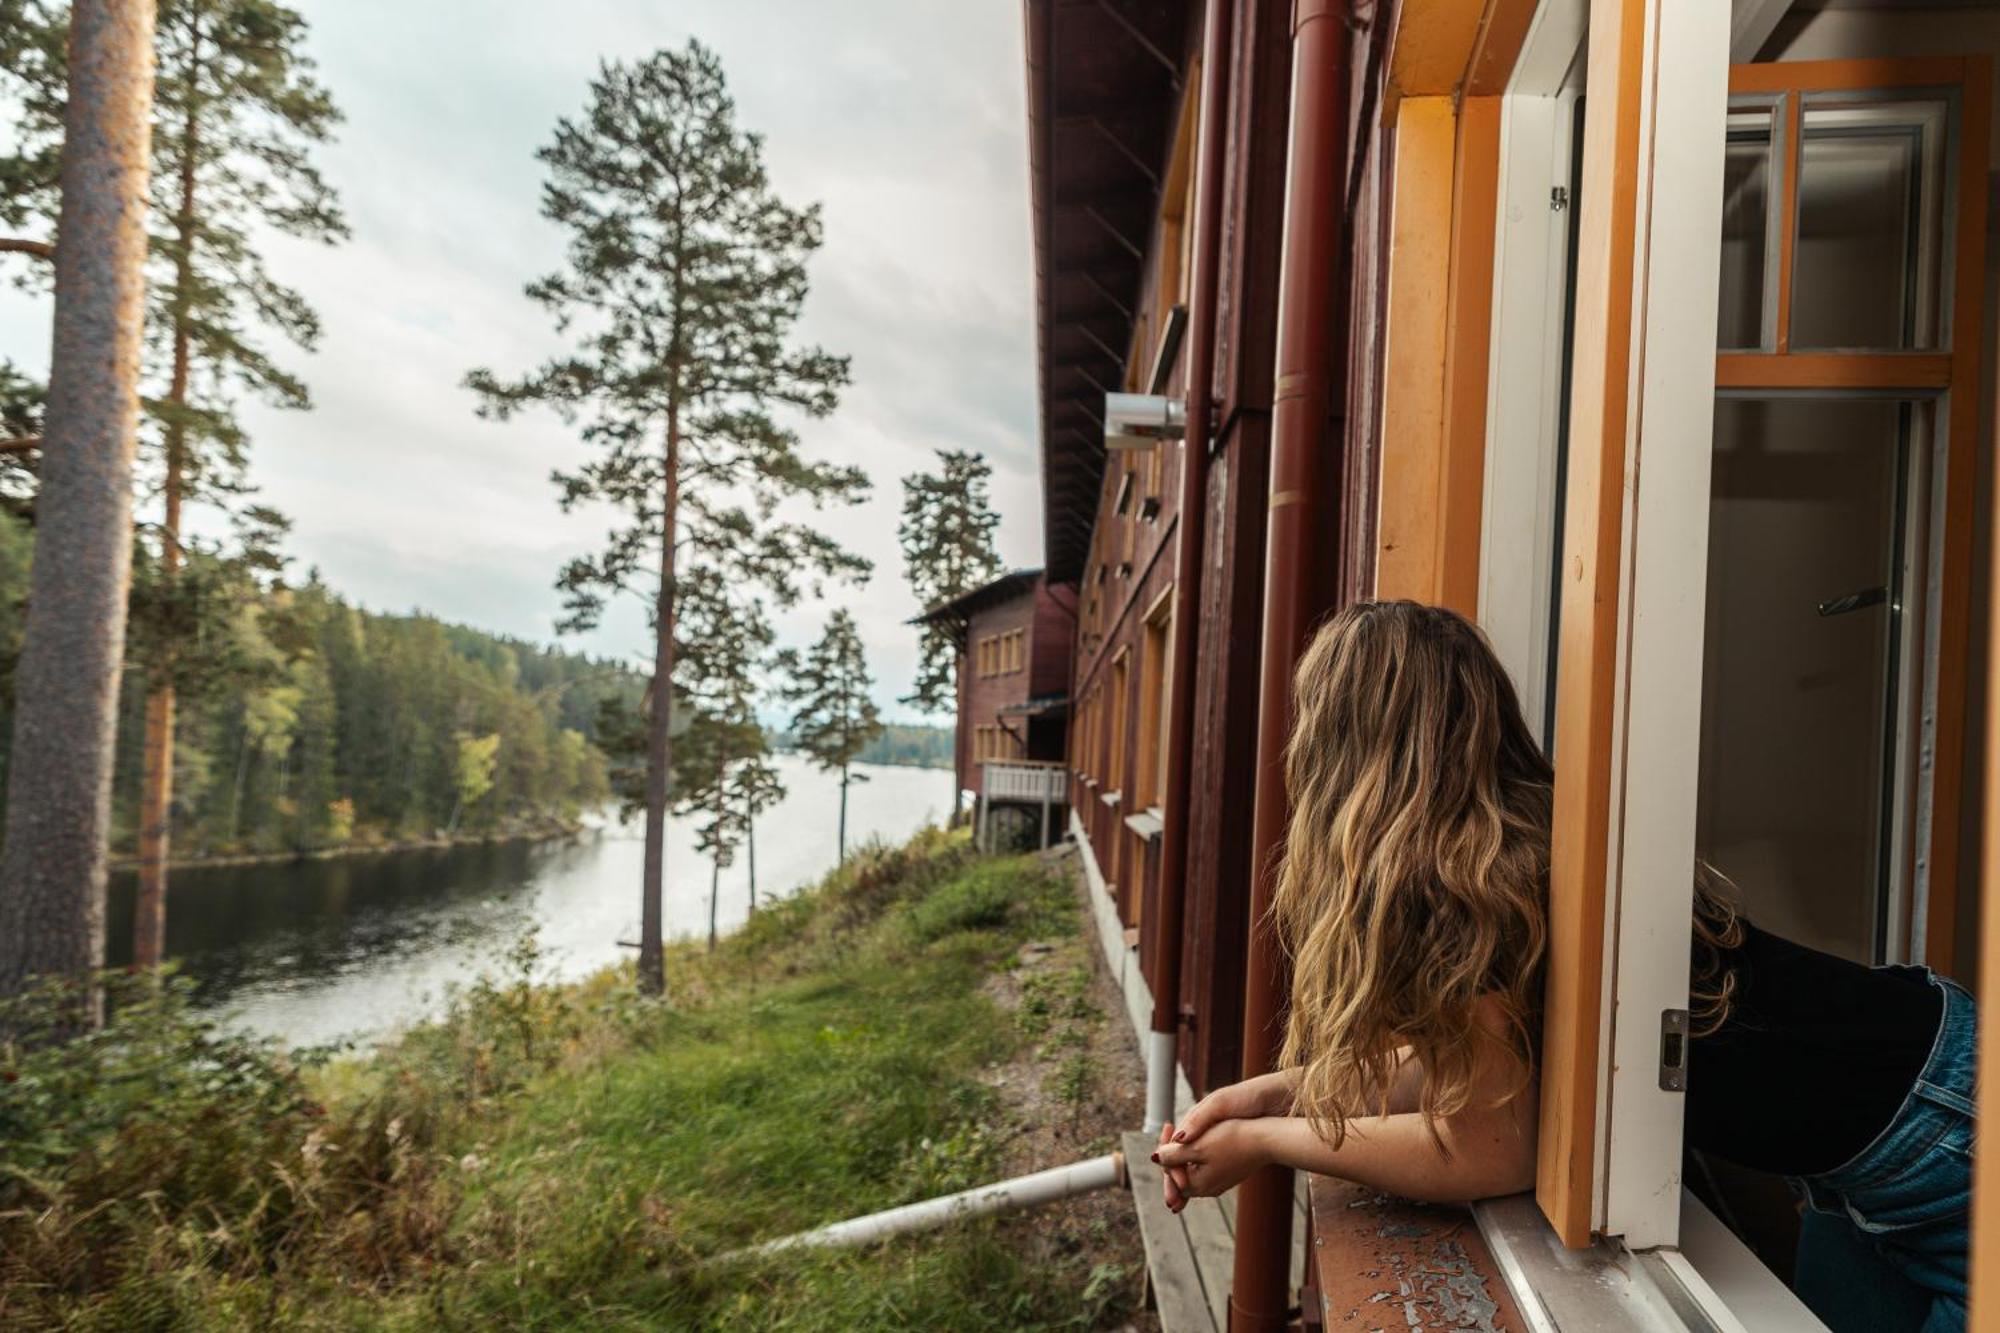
x: 1150, y: 776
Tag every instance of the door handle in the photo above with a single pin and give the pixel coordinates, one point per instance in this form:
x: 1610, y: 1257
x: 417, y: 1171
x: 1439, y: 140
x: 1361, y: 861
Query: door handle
x: 1853, y: 601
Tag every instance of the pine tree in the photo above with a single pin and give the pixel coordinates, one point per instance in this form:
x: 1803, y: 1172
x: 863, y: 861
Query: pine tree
x: 947, y: 537
x: 725, y: 641
x: 833, y: 709
x: 237, y: 113
x: 754, y: 787
x: 685, y: 276
x: 52, y: 872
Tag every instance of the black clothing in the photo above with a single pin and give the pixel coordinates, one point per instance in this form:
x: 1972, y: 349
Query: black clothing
x: 1814, y: 1060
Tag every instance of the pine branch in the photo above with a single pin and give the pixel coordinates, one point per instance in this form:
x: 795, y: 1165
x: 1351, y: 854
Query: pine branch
x: 21, y: 245
x: 23, y: 445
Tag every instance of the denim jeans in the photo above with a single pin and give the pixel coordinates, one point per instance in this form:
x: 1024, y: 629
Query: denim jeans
x: 1909, y: 1192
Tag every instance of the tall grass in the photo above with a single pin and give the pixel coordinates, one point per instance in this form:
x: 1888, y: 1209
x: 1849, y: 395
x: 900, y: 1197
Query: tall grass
x: 559, y: 1156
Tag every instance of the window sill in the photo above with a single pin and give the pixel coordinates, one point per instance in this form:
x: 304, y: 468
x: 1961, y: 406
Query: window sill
x: 1712, y: 1282
x: 1110, y: 799
x: 1147, y: 824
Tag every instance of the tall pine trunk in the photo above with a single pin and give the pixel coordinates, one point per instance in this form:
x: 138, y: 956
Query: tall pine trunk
x: 750, y: 843
x: 843, y: 815
x: 52, y: 873
x: 714, y: 892
x: 156, y: 782
x: 659, y: 729
x: 236, y: 786
x: 715, y: 868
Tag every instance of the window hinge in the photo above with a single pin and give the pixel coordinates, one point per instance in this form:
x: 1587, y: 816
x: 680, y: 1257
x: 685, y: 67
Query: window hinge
x: 1673, y: 1050
x: 1558, y: 198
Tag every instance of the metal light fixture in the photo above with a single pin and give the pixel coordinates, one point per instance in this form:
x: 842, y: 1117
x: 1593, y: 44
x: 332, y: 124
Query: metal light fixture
x: 1142, y: 420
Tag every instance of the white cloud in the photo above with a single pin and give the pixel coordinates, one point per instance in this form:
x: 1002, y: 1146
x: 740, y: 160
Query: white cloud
x: 904, y: 118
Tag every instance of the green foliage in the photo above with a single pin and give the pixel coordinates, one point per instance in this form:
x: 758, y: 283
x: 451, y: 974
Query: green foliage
x: 982, y: 899
x: 33, y: 83
x: 830, y: 692
x: 947, y: 536
x: 721, y: 771
x: 686, y: 273
x: 477, y: 758
x: 911, y: 746
x: 237, y: 116
x: 559, y: 1156
x: 314, y: 724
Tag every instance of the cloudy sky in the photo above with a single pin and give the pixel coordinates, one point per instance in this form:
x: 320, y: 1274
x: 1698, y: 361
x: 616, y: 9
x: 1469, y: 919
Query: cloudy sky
x: 904, y: 118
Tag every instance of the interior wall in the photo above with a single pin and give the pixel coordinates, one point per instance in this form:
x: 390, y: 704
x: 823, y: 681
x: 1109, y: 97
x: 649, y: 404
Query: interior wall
x: 1906, y: 31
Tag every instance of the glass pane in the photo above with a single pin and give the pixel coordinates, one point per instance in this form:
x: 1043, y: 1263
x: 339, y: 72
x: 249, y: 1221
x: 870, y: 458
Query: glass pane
x: 1869, y: 228
x: 1746, y: 209
x: 1805, y: 534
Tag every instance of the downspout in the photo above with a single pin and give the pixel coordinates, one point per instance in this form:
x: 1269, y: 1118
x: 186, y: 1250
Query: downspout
x: 1303, y: 511
x: 1162, y: 1045
x: 1057, y: 1183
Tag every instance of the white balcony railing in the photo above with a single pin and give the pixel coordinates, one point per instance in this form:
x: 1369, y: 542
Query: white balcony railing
x: 1024, y: 780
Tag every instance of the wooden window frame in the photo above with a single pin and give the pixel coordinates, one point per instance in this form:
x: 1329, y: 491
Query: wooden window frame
x: 1634, y: 569
x: 1155, y: 680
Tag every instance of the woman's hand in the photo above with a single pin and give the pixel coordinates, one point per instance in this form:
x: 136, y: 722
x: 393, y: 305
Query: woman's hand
x: 1252, y: 1099
x: 1221, y: 1158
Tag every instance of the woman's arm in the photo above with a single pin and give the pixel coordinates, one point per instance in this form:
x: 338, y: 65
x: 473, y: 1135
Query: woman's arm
x: 1272, y: 1094
x: 1486, y: 1149
x: 1478, y: 1153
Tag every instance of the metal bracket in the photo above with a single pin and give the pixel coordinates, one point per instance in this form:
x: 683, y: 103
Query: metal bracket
x: 1673, y: 1050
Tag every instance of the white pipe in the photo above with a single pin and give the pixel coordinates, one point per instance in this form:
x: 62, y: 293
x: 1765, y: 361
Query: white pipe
x: 1059, y: 1182
x: 1161, y: 1050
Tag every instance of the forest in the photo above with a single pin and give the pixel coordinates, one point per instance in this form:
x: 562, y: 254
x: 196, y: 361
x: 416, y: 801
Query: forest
x: 909, y: 744
x: 314, y: 724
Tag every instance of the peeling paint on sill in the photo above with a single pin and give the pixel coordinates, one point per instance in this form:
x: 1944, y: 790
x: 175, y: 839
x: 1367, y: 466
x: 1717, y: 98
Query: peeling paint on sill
x: 1385, y: 1263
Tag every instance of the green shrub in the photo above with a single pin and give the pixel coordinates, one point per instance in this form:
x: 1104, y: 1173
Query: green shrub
x: 980, y: 899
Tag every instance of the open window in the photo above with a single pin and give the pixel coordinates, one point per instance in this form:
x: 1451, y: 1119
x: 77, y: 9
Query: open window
x: 1846, y: 428
x: 1727, y: 529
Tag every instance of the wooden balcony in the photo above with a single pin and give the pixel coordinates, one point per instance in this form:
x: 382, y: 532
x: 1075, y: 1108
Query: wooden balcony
x: 1029, y: 782
x: 1021, y: 784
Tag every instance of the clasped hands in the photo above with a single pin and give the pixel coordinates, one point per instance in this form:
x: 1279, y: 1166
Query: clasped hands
x: 1222, y: 1140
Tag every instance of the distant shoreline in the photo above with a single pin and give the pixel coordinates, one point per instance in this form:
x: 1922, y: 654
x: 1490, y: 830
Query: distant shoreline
x: 552, y: 832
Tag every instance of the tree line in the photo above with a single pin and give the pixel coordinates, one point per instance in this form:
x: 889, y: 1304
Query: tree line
x: 344, y: 727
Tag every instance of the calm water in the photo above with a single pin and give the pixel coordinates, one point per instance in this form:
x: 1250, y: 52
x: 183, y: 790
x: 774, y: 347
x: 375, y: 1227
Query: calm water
x: 316, y: 951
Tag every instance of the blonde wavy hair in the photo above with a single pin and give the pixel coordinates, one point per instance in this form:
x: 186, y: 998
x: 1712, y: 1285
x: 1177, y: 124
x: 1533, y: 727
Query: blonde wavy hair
x: 1415, y: 874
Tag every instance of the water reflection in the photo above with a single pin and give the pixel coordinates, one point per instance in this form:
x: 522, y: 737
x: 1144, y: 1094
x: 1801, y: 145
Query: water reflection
x: 314, y: 951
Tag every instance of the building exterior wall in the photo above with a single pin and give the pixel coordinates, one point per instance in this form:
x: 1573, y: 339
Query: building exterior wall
x: 1131, y: 571
x: 1014, y: 651
x: 988, y: 691
x: 1130, y: 563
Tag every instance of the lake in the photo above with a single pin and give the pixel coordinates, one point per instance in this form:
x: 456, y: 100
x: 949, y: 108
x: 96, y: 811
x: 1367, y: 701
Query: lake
x: 352, y: 947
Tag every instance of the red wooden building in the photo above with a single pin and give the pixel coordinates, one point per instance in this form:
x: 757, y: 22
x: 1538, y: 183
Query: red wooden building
x: 1014, y: 638
x: 1427, y: 307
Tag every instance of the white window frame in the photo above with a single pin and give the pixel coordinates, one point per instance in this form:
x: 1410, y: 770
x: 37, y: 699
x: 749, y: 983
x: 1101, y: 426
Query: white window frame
x: 1650, y: 870
x: 1639, y: 1201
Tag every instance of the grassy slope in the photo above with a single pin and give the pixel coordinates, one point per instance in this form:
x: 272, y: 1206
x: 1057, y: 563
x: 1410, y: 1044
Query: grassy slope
x: 826, y: 1062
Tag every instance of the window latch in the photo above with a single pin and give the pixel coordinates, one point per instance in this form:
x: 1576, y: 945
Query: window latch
x: 1673, y: 1050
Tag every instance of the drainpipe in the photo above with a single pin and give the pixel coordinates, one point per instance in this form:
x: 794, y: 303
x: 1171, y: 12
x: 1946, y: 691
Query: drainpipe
x: 1162, y: 1046
x: 1303, y: 516
x: 1042, y: 1187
